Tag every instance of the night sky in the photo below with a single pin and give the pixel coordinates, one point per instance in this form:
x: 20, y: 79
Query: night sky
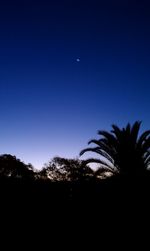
x: 69, y: 68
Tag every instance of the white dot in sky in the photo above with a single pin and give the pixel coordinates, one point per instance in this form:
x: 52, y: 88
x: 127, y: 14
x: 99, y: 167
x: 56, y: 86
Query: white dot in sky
x: 78, y: 59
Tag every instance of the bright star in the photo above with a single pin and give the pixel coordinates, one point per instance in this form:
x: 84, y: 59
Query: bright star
x: 78, y: 59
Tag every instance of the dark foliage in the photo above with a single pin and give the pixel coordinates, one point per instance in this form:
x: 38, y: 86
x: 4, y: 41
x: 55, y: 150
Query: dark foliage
x: 11, y: 167
x: 122, y: 150
x: 59, y: 169
x: 69, y: 200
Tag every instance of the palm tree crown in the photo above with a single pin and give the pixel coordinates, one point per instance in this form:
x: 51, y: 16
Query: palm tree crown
x: 122, y: 150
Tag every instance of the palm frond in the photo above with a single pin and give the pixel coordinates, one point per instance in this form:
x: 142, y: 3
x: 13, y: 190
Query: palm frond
x: 116, y: 130
x: 147, y: 160
x: 89, y: 149
x: 110, y: 137
x: 128, y: 129
x: 135, y: 131
x: 146, y: 145
x: 143, y: 137
x: 104, y: 145
x: 104, y: 150
x: 101, y: 162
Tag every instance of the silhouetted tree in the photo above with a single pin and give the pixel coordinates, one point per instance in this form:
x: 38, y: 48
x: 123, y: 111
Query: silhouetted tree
x: 66, y: 169
x: 122, y: 150
x: 12, y: 167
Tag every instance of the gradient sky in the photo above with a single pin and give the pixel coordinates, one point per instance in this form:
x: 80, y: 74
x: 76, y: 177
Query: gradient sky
x: 50, y: 104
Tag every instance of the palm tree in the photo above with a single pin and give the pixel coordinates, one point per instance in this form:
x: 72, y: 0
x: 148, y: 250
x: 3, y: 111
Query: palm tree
x: 122, y: 150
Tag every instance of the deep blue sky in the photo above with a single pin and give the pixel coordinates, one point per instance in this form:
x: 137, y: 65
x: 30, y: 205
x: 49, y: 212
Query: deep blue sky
x: 50, y: 104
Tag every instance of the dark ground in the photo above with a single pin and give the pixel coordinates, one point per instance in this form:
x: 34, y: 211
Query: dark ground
x: 80, y: 212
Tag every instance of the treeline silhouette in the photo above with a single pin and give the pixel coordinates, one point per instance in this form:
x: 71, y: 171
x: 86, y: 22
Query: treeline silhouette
x: 70, y: 204
x: 123, y: 168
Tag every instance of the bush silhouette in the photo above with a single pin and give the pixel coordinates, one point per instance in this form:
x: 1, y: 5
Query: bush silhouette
x: 59, y: 169
x: 11, y: 167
